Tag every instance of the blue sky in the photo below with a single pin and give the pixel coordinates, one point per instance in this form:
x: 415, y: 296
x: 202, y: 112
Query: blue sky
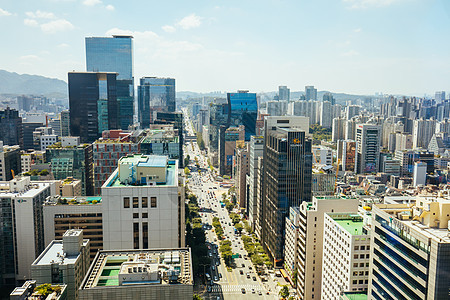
x: 353, y: 46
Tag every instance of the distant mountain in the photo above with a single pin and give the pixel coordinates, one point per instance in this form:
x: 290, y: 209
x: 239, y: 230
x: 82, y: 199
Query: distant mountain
x: 13, y: 83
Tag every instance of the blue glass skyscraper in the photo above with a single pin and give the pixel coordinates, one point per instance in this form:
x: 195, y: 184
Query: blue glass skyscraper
x: 115, y: 54
x: 243, y: 110
x: 155, y: 95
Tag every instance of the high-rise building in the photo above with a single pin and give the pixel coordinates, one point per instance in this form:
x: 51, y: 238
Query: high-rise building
x: 93, y: 104
x: 310, y: 93
x: 115, y: 54
x: 346, y: 251
x: 22, y: 228
x: 176, y: 120
x: 409, y: 250
x: 347, y: 153
x: 65, y: 123
x: 63, y: 261
x: 326, y: 114
x: 322, y: 155
x: 28, y: 129
x: 256, y: 148
x: 155, y: 95
x: 143, y: 204
x: 423, y: 131
x: 10, y: 161
x: 76, y: 162
x: 329, y: 97
x: 309, y: 255
x: 218, y: 116
x: 368, y: 146
x: 277, y: 108
x: 439, y: 96
x: 11, y: 132
x: 243, y: 110
x: 352, y: 111
x: 284, y: 93
x: 106, y: 154
x: 305, y: 109
x: 163, y: 141
x: 241, y: 172
x: 163, y: 274
x: 286, y: 183
x: 337, y: 132
x: 228, y: 141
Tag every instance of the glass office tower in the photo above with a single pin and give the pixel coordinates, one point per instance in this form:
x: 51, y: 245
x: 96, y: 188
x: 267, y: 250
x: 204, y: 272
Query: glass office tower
x: 155, y: 95
x: 115, y: 54
x: 243, y: 110
x: 93, y: 104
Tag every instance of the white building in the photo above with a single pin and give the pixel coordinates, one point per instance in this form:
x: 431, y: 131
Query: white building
x: 277, y: 108
x: 47, y: 140
x: 338, y: 129
x: 420, y: 173
x: 69, y: 259
x: 21, y: 228
x: 326, y: 114
x: 423, y: 130
x: 256, y: 149
x: 346, y: 255
x: 310, y: 242
x: 70, y: 141
x: 143, y: 204
x: 323, y: 155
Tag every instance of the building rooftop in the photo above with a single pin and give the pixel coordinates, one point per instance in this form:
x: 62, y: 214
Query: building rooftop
x: 139, y: 267
x: 353, y: 296
x: 79, y: 200
x: 353, y: 225
x: 22, y: 187
x: 54, y: 253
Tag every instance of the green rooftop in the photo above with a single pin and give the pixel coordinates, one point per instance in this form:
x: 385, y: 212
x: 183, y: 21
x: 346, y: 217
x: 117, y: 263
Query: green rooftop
x: 353, y: 225
x: 353, y: 296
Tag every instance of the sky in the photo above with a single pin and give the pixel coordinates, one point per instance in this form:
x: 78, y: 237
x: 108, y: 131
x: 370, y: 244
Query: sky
x: 350, y: 46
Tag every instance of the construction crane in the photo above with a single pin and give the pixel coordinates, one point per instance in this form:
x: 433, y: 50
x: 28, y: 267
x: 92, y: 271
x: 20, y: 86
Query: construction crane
x: 337, y: 172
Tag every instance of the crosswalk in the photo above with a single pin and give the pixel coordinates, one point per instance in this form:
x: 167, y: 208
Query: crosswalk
x: 230, y: 289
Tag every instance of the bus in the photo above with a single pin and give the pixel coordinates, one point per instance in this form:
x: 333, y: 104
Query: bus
x: 222, y: 204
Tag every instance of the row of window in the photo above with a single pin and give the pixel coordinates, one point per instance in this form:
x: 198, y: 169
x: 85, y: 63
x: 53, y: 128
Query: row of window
x: 143, y: 202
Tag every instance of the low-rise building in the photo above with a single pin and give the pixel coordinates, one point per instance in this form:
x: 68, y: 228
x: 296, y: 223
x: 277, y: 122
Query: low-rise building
x: 69, y: 187
x: 30, y: 291
x: 63, y: 213
x: 160, y: 274
x: 63, y: 261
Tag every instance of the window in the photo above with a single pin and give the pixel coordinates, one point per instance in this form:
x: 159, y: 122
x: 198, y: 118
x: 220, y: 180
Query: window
x: 136, y: 235
x: 355, y: 281
x: 361, y: 265
x: 152, y: 202
x: 144, y: 202
x: 145, y: 235
x: 355, y: 265
x: 355, y: 256
x: 361, y: 256
x: 135, y: 202
x: 357, y: 248
x: 126, y: 202
x: 363, y: 247
x: 135, y: 215
x: 144, y: 215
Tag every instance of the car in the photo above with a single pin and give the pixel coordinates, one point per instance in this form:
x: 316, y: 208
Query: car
x: 215, y: 278
x: 243, y: 291
x: 213, y: 268
x: 241, y: 272
x: 243, y: 265
x: 259, y: 293
x: 218, y: 298
x: 220, y: 275
x: 268, y: 293
x: 209, y: 289
x: 210, y: 254
x: 254, y: 278
x: 253, y: 291
x: 248, y: 276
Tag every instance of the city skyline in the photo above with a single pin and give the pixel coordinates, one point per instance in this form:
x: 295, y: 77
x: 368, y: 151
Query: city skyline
x: 389, y: 46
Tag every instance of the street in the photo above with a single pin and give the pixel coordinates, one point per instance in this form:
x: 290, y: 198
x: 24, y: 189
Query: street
x: 242, y: 282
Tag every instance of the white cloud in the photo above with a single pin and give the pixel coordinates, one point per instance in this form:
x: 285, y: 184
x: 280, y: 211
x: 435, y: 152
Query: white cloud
x: 29, y: 57
x: 168, y: 28
x: 362, y: 4
x: 4, y: 13
x: 92, y: 2
x: 31, y: 22
x: 109, y: 7
x: 191, y: 21
x: 56, y: 26
x: 40, y: 15
x: 357, y: 30
x: 63, y: 46
x: 350, y: 53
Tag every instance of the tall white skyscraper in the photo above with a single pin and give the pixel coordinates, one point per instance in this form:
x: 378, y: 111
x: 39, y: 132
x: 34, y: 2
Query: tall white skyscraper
x: 310, y: 92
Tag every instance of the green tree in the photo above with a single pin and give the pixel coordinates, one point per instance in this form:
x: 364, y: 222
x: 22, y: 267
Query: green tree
x: 44, y: 172
x: 186, y: 171
x: 239, y: 227
x: 229, y: 206
x: 284, y: 292
x: 294, y: 277
x: 186, y: 160
x: 197, y: 297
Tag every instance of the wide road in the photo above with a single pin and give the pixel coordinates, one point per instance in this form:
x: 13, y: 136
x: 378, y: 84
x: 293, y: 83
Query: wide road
x: 241, y: 282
